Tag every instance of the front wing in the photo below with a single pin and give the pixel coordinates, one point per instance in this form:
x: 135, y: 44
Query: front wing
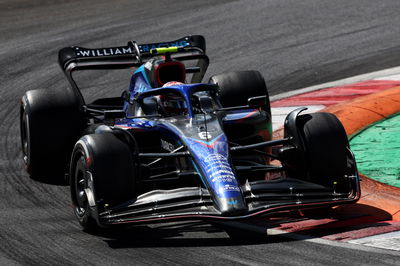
x: 193, y: 203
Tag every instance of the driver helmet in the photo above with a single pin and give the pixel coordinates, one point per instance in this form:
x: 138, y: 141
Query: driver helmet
x: 172, y: 104
x: 172, y: 83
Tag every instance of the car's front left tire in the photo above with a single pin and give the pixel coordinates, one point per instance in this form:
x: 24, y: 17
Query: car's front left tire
x: 321, y: 153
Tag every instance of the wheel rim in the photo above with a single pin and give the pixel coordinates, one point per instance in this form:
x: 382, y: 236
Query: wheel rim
x: 80, y: 184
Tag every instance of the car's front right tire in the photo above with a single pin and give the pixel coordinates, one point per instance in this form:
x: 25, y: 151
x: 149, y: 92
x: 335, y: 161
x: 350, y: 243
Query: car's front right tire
x: 102, y: 173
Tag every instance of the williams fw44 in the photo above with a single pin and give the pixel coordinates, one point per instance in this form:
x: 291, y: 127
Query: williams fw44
x: 172, y: 147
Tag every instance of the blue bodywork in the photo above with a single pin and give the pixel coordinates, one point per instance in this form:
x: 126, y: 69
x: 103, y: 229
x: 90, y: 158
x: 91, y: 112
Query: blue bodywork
x: 209, y: 149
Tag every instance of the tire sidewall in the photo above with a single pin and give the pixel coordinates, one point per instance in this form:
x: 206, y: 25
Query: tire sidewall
x: 79, y: 160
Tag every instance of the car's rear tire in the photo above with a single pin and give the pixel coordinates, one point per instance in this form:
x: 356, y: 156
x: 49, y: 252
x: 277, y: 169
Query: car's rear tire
x: 51, y: 121
x: 325, y: 147
x: 105, y: 167
x: 236, y: 87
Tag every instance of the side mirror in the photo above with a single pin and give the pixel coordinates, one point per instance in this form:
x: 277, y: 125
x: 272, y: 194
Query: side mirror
x: 257, y: 102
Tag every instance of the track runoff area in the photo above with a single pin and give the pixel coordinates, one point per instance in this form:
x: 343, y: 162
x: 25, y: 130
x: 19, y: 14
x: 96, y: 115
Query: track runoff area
x: 369, y: 108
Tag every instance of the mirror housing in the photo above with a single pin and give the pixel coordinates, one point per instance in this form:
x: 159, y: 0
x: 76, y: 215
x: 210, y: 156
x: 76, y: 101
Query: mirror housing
x: 257, y: 102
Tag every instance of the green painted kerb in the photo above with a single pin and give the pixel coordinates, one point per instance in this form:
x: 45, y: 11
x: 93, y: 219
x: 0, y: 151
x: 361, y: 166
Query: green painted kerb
x: 377, y: 151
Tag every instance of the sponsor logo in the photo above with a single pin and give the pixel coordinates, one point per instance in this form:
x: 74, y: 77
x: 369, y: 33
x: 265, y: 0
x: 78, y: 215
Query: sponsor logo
x: 220, y: 176
x: 216, y: 158
x: 103, y: 52
x: 220, y: 170
x: 148, y: 47
x: 82, y: 52
x: 232, y: 202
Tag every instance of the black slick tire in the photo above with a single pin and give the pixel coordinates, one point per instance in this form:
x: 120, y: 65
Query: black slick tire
x: 236, y: 87
x: 325, y: 147
x: 51, y: 121
x: 106, y: 167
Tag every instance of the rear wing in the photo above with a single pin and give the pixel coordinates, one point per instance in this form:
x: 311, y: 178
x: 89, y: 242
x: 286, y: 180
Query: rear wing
x: 133, y: 54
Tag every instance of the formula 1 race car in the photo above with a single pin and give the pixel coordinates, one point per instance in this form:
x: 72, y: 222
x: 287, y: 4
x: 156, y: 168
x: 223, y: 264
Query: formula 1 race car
x: 173, y: 148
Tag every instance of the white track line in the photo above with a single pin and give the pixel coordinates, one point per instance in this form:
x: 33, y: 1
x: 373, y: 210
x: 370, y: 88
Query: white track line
x: 386, y: 241
x: 349, y: 245
x: 279, y: 114
x: 386, y: 74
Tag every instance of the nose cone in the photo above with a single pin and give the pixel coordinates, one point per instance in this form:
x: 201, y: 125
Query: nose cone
x: 217, y: 174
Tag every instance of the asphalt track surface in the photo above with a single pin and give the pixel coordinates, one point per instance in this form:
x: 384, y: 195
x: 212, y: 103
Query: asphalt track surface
x: 293, y: 43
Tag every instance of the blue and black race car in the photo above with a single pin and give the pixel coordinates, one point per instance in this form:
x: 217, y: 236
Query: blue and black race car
x: 173, y: 148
